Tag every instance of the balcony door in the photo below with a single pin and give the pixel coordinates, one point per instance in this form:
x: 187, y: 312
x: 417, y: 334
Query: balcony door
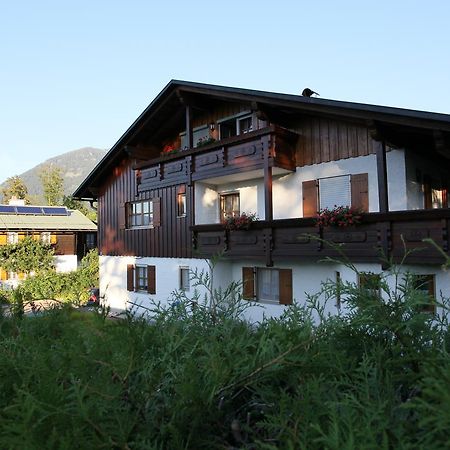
x: 229, y: 206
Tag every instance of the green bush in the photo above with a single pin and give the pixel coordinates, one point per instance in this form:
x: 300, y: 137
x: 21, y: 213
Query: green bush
x: 375, y: 377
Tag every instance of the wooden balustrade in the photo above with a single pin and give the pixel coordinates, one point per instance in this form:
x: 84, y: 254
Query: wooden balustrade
x: 396, y: 236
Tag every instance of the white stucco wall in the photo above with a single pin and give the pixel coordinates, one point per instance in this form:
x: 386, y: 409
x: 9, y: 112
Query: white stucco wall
x: 287, y: 189
x: 113, y: 280
x: 66, y: 263
x: 307, y: 280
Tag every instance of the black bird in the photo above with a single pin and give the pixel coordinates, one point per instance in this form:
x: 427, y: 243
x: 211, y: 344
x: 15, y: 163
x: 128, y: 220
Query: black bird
x: 307, y: 92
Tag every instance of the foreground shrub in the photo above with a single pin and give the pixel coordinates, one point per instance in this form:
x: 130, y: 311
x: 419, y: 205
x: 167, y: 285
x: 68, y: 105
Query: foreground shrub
x: 200, y: 378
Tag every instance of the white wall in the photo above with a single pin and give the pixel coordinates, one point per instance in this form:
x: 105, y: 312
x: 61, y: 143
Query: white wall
x: 66, y: 263
x: 113, y: 280
x: 287, y: 189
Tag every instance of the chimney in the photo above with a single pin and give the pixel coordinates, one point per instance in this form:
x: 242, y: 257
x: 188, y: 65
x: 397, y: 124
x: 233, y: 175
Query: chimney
x: 14, y: 201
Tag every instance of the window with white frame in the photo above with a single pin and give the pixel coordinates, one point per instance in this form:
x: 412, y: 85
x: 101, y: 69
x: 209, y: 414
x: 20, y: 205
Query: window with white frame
x: 335, y: 191
x: 46, y: 238
x: 236, y: 125
x: 140, y: 214
x: 141, y: 278
x: 268, y: 285
x: 12, y: 238
x: 185, y: 279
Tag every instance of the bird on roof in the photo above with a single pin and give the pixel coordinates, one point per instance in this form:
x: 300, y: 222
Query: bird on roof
x: 307, y: 92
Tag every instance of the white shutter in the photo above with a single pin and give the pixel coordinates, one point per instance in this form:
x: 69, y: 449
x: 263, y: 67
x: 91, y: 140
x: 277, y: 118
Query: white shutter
x: 335, y: 191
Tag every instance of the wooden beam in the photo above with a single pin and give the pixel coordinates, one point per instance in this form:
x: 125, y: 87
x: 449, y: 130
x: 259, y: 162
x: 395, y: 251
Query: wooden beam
x: 189, y: 126
x: 268, y: 180
x: 382, y: 178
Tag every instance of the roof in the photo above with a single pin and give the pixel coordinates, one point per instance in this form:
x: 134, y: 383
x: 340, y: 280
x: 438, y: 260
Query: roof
x: 73, y: 221
x: 311, y: 105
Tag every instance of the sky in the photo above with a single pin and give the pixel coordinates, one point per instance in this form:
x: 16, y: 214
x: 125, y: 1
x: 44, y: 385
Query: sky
x: 77, y: 74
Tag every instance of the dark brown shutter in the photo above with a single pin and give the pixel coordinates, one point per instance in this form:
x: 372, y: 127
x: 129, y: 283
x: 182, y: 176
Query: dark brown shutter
x: 151, y: 279
x: 360, y: 191
x: 122, y: 216
x: 130, y: 277
x: 156, y: 212
x: 248, y: 283
x: 285, y: 278
x: 310, y: 204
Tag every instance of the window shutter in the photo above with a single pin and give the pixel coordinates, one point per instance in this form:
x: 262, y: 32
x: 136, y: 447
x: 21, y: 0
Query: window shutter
x: 156, y: 211
x: 130, y: 277
x: 122, y: 216
x: 360, y: 191
x: 21, y: 236
x: 3, y: 239
x: 285, y: 276
x: 53, y: 239
x: 248, y: 283
x: 309, y: 198
x: 151, y: 279
x: 36, y: 237
x: 3, y: 275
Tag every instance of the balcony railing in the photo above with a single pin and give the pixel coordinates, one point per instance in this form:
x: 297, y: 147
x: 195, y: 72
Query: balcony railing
x: 247, y: 152
x: 396, y: 236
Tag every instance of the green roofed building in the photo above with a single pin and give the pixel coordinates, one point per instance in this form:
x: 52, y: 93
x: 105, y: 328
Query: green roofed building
x: 70, y: 232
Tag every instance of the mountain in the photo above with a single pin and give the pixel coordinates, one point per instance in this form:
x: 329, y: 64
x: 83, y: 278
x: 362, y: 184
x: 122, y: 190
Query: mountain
x: 75, y: 166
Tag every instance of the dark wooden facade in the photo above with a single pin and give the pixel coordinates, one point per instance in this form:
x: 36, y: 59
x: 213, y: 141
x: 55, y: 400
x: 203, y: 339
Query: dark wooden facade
x: 288, y: 132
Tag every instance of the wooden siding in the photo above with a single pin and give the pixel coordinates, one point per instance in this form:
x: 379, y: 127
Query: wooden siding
x: 220, y: 111
x: 170, y: 239
x: 65, y: 244
x: 323, y: 140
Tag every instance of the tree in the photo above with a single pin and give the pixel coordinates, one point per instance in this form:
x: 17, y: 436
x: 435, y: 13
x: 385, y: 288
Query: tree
x: 70, y: 203
x: 14, y: 187
x: 52, y: 184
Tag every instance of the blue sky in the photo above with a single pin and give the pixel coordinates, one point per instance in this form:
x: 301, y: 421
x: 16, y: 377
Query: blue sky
x: 76, y: 74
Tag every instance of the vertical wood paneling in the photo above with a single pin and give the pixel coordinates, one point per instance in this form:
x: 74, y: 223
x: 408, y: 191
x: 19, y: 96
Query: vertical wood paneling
x: 322, y: 140
x: 163, y: 241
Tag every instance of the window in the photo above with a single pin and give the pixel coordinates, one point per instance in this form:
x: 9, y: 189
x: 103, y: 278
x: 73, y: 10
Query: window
x: 198, y: 134
x: 370, y: 283
x: 236, y: 126
x: 12, y: 238
x: 140, y: 214
x: 229, y: 206
x: 267, y: 285
x: 90, y: 240
x: 181, y: 201
x: 46, y: 238
x: 346, y: 190
x: 334, y: 191
x: 184, y: 278
x: 426, y: 285
x: 435, y: 193
x: 141, y: 278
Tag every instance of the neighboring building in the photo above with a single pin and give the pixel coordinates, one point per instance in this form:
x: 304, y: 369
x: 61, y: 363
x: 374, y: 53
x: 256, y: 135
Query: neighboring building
x: 70, y: 233
x: 201, y: 153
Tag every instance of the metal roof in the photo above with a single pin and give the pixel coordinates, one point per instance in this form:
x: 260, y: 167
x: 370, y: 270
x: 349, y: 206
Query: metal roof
x: 74, y: 221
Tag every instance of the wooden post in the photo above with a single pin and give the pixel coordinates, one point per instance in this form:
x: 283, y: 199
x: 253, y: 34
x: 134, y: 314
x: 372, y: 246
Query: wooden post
x: 382, y: 178
x: 268, y: 200
x: 189, y: 126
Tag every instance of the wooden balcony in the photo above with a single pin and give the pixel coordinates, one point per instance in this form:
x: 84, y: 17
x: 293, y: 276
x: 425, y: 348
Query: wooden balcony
x: 272, y: 147
x: 394, y: 236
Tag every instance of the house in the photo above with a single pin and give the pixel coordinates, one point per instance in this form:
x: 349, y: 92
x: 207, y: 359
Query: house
x: 200, y: 154
x: 70, y: 233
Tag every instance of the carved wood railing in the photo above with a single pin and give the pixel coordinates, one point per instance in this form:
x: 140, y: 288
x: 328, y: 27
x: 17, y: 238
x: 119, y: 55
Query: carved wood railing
x: 394, y: 236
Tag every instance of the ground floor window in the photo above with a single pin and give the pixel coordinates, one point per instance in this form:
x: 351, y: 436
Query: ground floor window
x: 184, y: 278
x: 141, y: 278
x: 12, y: 238
x: 267, y: 285
x: 426, y: 285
